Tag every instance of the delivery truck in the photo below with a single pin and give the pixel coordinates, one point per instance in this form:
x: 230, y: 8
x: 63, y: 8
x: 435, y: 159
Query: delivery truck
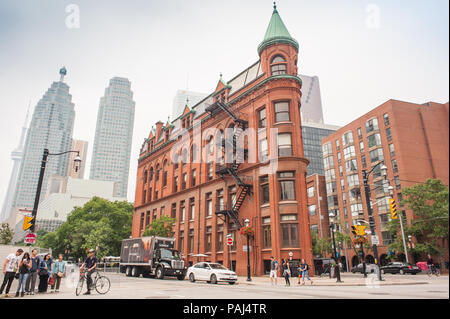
x: 151, y: 257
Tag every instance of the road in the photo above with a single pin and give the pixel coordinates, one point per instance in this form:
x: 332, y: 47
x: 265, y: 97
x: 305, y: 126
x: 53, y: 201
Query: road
x: 123, y: 287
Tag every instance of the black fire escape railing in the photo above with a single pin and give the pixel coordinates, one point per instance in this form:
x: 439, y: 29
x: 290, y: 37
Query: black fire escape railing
x: 232, y: 169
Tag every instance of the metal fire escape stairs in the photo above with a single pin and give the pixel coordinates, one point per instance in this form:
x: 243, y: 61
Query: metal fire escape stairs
x: 232, y: 169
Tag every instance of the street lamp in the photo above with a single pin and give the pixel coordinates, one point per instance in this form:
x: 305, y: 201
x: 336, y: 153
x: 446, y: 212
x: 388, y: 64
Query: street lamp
x: 338, y: 270
x: 249, y: 278
x: 77, y: 165
x: 400, y: 216
x: 366, y: 175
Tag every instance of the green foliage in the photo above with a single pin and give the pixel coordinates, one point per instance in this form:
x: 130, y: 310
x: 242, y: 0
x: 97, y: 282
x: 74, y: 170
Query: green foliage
x: 160, y: 227
x: 6, y: 234
x: 99, y: 223
x: 321, y: 246
x: 429, y: 202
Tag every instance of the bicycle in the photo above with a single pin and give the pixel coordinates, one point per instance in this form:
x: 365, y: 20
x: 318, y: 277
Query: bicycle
x: 101, y: 283
x: 326, y: 271
x: 432, y: 270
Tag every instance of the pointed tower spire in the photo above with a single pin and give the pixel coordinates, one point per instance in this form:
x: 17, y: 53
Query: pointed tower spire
x: 277, y: 32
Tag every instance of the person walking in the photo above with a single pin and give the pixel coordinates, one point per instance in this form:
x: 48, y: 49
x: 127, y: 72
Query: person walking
x: 59, y: 271
x: 304, y: 268
x: 90, y: 264
x: 286, y: 272
x: 9, y: 271
x: 24, y: 272
x: 274, y: 267
x: 31, y: 281
x: 45, y: 267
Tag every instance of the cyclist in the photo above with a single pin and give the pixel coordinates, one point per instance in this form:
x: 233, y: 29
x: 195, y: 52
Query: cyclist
x: 90, y: 264
x: 430, y: 264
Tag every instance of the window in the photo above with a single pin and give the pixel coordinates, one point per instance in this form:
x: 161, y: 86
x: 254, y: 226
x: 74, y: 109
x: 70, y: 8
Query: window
x: 389, y: 134
x: 386, y: 119
x: 342, y: 184
x: 311, y: 191
x: 145, y: 177
x: 361, y: 146
x: 267, y: 235
x: 157, y: 173
x: 376, y: 155
x: 181, y: 242
x: 341, y: 173
x: 352, y: 180
x: 339, y: 158
x: 289, y: 231
x: 327, y: 149
x: 232, y: 194
x: 360, y: 133
x: 398, y: 184
x: 194, y: 155
x: 344, y: 198
x: 141, y: 226
x: 165, y: 179
x: 345, y: 212
x: 150, y: 177
x: 363, y: 161
x: 263, y: 150
x: 182, y: 211
x: 315, y: 229
x: 386, y: 237
x: 338, y: 146
x: 184, y: 181
x: 210, y: 171
x: 147, y: 218
x: 356, y: 210
x: 163, y: 211
x: 351, y: 166
x: 184, y: 156
x: 219, y: 238
x: 374, y: 140
x: 395, y: 166
x: 210, y: 145
x: 331, y: 187
x: 173, y: 211
x: 208, y: 238
x: 194, y: 177
x: 333, y: 201
x: 287, y: 185
x: 392, y: 150
x: 265, y: 193
x: 278, y: 65
x: 156, y: 195
x: 154, y: 214
x: 175, y: 184
x: 347, y: 138
x: 191, y: 208
x: 349, y: 152
x: 209, y: 205
x: 220, y: 200
x: 330, y: 175
x: 372, y: 125
x: 150, y: 195
x: 144, y: 197
x: 281, y: 112
x: 191, y: 241
x: 284, y: 144
x: 262, y: 118
x: 312, y: 210
x: 328, y: 162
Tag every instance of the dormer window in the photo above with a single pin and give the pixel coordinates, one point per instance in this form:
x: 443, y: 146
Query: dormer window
x: 278, y: 65
x: 167, y: 135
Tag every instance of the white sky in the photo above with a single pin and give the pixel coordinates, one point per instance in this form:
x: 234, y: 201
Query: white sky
x: 158, y: 45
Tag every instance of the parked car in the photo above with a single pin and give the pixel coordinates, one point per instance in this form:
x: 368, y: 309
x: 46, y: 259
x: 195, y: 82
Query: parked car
x: 370, y: 268
x: 211, y: 272
x: 400, y: 268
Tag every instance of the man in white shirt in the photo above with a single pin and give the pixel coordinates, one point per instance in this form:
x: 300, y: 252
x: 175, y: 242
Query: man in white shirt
x: 9, y: 270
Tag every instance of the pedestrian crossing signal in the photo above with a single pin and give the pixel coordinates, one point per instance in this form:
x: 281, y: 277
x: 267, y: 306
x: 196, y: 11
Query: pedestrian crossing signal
x: 393, y: 206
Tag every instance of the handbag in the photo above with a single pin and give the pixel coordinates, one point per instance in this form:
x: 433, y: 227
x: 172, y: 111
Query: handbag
x: 17, y: 275
x: 51, y: 281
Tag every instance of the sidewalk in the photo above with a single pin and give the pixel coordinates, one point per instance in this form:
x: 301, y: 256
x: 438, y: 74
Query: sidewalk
x: 347, y: 280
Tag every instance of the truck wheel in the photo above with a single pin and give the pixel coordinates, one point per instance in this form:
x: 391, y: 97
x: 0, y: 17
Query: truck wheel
x: 160, y: 273
x: 181, y: 277
x: 213, y: 279
x: 191, y: 277
x: 128, y: 271
x: 135, y: 272
x: 146, y: 273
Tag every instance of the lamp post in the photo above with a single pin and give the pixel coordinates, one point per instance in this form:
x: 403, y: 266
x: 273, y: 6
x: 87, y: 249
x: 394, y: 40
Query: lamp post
x: 338, y: 270
x: 77, y: 163
x: 400, y: 217
x: 366, y: 175
x: 249, y: 278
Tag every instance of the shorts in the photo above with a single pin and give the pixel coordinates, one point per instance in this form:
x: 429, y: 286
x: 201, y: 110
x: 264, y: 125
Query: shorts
x: 273, y: 274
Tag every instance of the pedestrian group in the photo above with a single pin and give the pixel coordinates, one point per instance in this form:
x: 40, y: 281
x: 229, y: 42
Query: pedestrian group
x: 303, y: 271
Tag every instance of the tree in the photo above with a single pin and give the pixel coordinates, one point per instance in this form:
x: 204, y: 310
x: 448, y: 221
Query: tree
x: 321, y: 246
x: 429, y: 203
x: 6, y: 234
x: 98, y: 224
x: 160, y: 227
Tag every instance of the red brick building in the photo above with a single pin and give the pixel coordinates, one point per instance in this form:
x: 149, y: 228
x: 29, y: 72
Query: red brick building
x: 317, y: 205
x: 216, y: 186
x: 413, y: 142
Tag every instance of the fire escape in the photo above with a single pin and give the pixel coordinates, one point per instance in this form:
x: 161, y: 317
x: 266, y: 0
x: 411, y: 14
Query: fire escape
x: 232, y: 169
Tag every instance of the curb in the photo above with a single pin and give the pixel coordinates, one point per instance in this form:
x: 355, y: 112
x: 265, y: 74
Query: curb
x: 349, y: 284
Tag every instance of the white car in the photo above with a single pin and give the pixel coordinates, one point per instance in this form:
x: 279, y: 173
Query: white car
x: 212, y: 273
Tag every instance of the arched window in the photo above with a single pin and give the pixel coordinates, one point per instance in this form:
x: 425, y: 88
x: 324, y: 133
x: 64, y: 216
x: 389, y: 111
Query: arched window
x: 184, y: 155
x: 194, y: 154
x: 278, y: 65
x: 145, y: 177
x: 151, y: 174
x: 165, y: 173
x: 157, y: 172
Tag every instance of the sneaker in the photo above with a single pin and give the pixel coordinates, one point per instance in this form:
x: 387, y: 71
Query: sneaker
x: 87, y: 293
x: 56, y: 290
x: 22, y: 294
x: 17, y: 294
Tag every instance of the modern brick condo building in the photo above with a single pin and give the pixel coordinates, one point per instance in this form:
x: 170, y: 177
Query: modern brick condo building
x: 236, y: 155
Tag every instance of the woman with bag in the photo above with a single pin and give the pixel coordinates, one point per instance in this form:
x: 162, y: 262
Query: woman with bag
x: 23, y: 272
x: 286, y: 272
x: 45, y: 268
x: 59, y: 271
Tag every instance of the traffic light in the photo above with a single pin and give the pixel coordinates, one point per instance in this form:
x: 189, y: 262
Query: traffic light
x: 359, y: 230
x: 354, y: 230
x: 393, y: 206
x: 28, y: 221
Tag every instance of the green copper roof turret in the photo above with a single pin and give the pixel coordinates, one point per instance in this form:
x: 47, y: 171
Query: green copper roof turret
x: 277, y: 33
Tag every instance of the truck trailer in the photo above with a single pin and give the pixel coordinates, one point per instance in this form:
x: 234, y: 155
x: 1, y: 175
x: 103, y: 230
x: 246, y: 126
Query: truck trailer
x: 151, y: 257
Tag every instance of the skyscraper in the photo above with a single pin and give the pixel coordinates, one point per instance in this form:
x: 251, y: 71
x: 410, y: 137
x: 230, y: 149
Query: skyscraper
x: 311, y: 100
x: 113, y: 135
x: 51, y: 128
x: 16, y: 156
x: 82, y: 147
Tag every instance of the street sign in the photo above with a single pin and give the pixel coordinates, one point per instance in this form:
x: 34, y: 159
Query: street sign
x: 27, y: 222
x: 230, y: 241
x: 30, y: 238
x: 375, y: 240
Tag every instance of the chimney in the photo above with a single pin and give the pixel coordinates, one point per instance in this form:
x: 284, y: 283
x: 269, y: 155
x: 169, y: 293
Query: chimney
x: 159, y: 127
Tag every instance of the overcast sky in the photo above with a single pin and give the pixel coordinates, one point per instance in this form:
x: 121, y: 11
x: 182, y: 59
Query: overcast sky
x: 364, y: 53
